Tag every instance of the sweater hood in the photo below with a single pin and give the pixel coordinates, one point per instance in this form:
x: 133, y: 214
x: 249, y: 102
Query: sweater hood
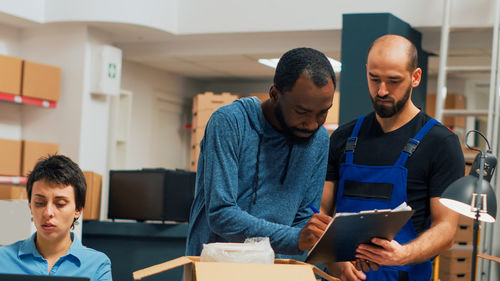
x: 253, y: 109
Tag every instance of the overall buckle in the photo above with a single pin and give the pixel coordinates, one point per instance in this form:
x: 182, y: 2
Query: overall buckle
x: 411, y: 146
x: 351, y: 143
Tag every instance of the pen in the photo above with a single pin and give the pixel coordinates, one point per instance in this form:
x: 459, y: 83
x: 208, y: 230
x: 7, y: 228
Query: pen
x: 313, y: 209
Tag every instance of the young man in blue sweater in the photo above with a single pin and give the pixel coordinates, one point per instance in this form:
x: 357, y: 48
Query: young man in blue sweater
x: 263, y: 164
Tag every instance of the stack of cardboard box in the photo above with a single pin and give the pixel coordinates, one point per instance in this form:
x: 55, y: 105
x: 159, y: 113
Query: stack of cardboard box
x: 203, y: 107
x: 19, y: 158
x: 463, y: 236
x: 20, y: 78
x: 455, y: 263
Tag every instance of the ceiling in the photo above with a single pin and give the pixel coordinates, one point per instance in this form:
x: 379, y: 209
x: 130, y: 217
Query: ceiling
x: 235, y: 56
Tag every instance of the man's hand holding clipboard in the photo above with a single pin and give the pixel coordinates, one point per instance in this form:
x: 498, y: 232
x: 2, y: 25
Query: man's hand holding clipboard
x: 347, y: 231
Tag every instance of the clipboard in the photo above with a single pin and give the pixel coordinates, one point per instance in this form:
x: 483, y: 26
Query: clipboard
x: 344, y: 233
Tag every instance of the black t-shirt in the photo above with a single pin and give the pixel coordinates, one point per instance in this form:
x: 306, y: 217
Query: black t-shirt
x: 437, y: 161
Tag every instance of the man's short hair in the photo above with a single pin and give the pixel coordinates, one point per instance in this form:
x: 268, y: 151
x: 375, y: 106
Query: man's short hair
x: 59, y: 169
x: 300, y: 61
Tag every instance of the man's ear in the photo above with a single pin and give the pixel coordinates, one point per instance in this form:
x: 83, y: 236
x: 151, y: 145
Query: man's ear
x: 274, y: 94
x: 416, y: 76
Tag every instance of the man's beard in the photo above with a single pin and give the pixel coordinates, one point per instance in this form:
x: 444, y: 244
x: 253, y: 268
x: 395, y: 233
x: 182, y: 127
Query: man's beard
x: 289, y: 132
x: 387, y: 111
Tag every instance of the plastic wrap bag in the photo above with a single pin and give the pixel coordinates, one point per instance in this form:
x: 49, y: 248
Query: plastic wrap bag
x: 253, y: 250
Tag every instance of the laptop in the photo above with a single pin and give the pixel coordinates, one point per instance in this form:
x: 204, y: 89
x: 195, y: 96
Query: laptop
x: 23, y: 277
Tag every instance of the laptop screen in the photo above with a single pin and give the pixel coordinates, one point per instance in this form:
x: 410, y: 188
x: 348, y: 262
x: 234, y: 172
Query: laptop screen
x: 22, y: 277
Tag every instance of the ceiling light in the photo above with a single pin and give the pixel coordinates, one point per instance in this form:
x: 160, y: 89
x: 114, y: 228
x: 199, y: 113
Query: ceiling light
x: 269, y: 62
x: 337, y: 65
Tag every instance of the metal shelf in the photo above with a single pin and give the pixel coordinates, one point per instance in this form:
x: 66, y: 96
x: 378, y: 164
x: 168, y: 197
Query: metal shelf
x: 465, y: 112
x: 27, y: 100
x: 13, y: 180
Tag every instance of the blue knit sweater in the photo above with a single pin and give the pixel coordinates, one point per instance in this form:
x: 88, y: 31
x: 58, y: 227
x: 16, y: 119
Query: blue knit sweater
x: 251, y: 182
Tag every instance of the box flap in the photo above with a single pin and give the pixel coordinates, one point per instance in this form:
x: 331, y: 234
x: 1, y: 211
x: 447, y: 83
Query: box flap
x: 161, y: 267
x: 323, y: 274
x: 282, y: 269
x: 221, y: 271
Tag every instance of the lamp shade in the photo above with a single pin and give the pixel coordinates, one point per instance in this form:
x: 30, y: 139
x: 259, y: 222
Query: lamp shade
x: 459, y: 196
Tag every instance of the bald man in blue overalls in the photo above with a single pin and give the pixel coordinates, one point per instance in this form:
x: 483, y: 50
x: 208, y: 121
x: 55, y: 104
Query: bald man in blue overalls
x: 393, y: 155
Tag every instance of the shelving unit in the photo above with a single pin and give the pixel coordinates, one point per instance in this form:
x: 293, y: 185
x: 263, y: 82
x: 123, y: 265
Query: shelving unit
x: 493, y: 116
x: 26, y: 100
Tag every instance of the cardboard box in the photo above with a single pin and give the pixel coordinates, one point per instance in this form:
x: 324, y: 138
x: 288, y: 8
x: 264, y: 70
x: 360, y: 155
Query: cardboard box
x: 33, y: 151
x: 469, y: 154
x: 41, y: 81
x: 197, y: 135
x: 455, y: 277
x: 200, y: 118
x: 464, y: 233
x: 261, y: 96
x: 195, y: 153
x: 210, y: 101
x: 93, y: 197
x: 10, y: 162
x: 196, y: 270
x: 455, y: 265
x: 458, y: 259
x: 13, y: 192
x: 465, y: 221
x: 10, y: 75
x: 467, y: 169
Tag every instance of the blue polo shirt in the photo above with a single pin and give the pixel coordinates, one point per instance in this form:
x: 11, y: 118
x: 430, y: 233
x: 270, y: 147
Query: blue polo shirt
x: 22, y: 257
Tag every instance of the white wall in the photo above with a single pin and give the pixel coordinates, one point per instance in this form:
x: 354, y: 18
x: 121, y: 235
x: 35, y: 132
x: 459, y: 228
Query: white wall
x: 149, y: 85
x: 32, y: 10
x: 221, y: 16
x: 95, y: 108
x: 10, y: 40
x: 159, y: 14
x: 198, y: 16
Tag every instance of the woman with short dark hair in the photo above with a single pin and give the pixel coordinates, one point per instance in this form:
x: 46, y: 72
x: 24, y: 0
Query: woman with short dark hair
x: 56, y: 194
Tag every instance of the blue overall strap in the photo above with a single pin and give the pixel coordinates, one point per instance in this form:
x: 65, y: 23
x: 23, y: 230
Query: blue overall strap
x: 352, y: 140
x: 412, y: 144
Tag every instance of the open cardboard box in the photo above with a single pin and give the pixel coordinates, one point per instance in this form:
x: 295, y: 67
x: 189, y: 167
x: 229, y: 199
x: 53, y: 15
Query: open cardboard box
x: 196, y: 270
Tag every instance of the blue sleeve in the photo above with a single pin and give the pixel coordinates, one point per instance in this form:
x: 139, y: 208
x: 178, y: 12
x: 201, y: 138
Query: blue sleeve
x: 103, y: 273
x: 316, y: 187
x: 225, y: 218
